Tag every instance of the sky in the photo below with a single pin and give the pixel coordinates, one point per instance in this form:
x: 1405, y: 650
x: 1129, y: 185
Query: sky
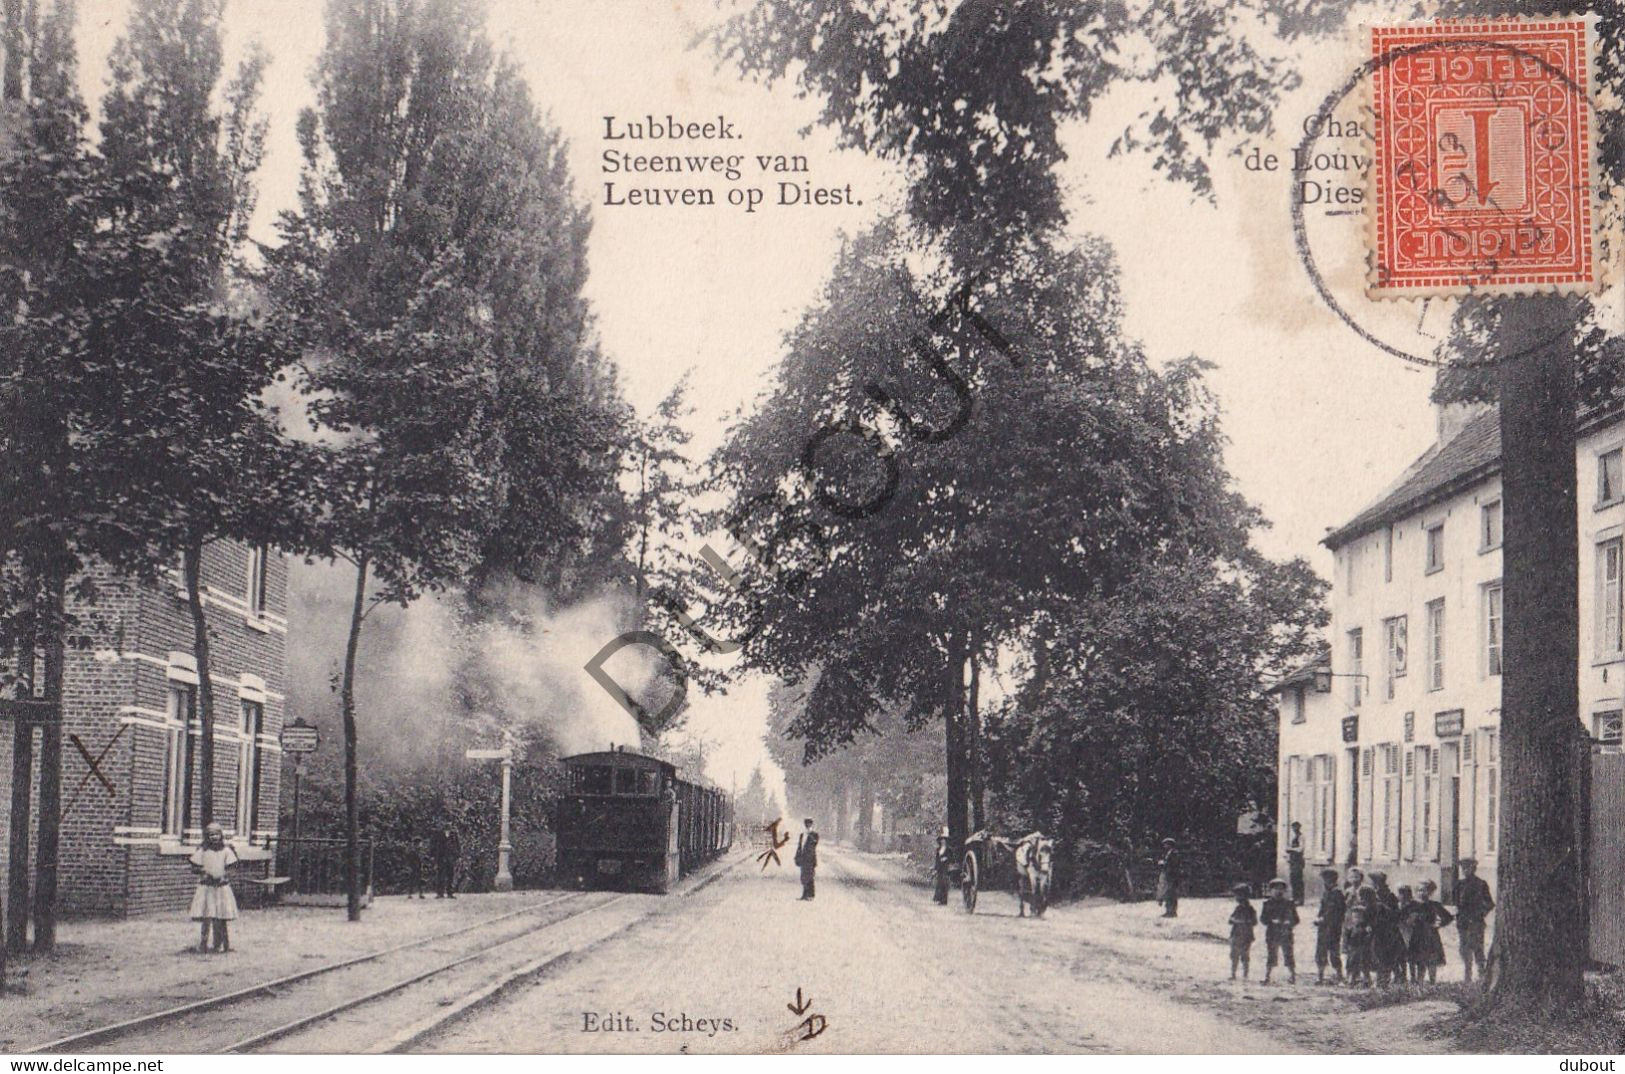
x: 1319, y: 421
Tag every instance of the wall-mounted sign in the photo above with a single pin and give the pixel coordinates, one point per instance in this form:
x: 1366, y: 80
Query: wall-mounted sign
x: 300, y: 737
x: 1447, y: 724
x: 1351, y: 729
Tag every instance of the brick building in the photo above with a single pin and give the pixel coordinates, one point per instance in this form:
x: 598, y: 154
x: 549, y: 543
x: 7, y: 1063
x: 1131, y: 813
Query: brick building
x: 131, y: 706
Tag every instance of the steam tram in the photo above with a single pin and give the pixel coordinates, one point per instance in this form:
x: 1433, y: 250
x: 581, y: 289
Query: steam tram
x: 628, y: 821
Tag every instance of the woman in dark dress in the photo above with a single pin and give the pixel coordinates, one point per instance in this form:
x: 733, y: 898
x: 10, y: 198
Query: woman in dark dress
x: 1426, y: 951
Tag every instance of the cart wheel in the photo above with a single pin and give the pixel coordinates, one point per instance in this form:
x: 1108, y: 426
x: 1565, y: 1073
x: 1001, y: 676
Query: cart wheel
x: 967, y: 882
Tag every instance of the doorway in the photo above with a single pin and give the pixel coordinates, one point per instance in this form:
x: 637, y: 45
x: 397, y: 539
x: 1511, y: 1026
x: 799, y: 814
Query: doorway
x: 1449, y: 817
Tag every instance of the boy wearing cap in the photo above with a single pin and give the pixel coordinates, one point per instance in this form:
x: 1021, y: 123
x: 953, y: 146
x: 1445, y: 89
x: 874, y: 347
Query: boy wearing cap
x: 1329, y: 927
x: 1279, y: 916
x: 1242, y: 920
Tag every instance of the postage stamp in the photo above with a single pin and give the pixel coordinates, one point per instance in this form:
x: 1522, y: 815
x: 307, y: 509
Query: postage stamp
x: 1483, y: 172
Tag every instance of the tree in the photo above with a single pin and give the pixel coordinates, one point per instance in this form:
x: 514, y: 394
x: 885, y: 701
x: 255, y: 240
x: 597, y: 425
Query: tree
x: 192, y: 349
x: 1144, y: 715
x: 986, y: 504
x: 970, y: 99
x: 1543, y: 347
x: 434, y: 265
x: 753, y: 806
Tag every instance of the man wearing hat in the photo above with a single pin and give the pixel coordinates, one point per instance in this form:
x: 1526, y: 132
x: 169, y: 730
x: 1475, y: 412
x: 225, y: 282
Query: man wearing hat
x: 1329, y: 927
x: 1473, y: 906
x: 1294, y: 861
x: 807, y: 858
x: 1279, y: 915
x: 1170, y: 875
x: 943, y: 866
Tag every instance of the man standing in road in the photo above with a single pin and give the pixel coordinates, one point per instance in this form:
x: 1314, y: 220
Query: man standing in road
x: 1473, y: 906
x: 807, y: 859
x: 1170, y: 874
x: 445, y: 848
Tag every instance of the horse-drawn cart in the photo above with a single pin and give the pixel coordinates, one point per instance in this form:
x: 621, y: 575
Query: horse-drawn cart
x: 991, y: 859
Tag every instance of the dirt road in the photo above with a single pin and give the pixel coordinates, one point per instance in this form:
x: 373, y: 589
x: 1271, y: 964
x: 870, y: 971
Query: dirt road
x: 878, y: 967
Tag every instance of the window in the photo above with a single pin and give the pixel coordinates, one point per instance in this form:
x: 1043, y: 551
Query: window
x: 1492, y: 789
x: 1426, y: 758
x: 1436, y: 644
x: 248, y: 768
x: 257, y: 558
x: 1299, y: 797
x: 1324, y: 769
x: 1397, y: 633
x: 1610, y: 560
x: 177, y: 807
x: 1388, y: 554
x: 593, y: 779
x: 626, y: 781
x: 1356, y: 665
x: 1610, y: 479
x: 1605, y: 728
x: 1435, y: 548
x: 1295, y: 703
x: 1492, y: 629
x: 1391, y: 800
x: 1351, y: 564
x: 1489, y: 531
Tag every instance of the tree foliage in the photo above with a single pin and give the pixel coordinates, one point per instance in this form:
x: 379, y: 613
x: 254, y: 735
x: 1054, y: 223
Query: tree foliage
x: 434, y: 267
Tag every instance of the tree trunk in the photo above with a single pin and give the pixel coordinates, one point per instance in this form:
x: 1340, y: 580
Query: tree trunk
x: 22, y: 800
x: 352, y: 808
x: 838, y: 794
x: 1540, y: 942
x: 973, y: 746
x: 46, y: 851
x: 192, y: 567
x: 953, y: 718
x: 866, y: 813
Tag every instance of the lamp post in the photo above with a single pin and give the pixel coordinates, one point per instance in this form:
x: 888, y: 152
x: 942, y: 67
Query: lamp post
x: 504, y: 877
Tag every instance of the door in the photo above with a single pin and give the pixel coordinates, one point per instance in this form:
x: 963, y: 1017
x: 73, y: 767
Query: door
x: 1449, y: 817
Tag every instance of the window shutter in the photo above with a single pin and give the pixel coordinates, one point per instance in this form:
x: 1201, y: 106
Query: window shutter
x: 1368, y: 835
x: 1408, y: 831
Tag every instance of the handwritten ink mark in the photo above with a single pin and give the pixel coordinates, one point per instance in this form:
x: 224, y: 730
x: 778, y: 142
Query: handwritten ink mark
x: 798, y: 1007
x: 822, y: 1024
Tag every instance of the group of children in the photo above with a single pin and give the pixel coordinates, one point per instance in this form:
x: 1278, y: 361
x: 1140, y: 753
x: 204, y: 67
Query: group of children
x: 1392, y: 936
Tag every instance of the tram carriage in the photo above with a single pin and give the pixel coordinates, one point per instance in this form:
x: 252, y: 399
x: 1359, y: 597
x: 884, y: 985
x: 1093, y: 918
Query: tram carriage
x: 629, y: 821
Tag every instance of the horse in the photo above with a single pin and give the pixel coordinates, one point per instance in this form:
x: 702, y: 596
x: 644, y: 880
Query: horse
x: 1035, y: 858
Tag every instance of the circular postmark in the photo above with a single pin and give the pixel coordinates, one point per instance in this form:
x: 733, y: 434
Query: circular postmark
x: 1438, y: 162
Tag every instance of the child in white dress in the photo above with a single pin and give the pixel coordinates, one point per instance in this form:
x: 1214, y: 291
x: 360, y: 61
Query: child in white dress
x: 213, y: 903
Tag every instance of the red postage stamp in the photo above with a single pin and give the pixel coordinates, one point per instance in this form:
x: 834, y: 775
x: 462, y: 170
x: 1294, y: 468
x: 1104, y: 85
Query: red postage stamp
x: 1483, y: 168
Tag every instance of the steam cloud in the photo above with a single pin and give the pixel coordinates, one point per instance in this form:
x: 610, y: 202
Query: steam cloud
x: 429, y: 680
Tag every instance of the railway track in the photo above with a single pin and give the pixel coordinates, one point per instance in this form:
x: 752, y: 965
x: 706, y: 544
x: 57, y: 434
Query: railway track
x: 335, y: 1007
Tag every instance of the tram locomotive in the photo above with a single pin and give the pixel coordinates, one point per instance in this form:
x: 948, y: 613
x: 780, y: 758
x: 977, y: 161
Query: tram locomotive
x: 628, y: 821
